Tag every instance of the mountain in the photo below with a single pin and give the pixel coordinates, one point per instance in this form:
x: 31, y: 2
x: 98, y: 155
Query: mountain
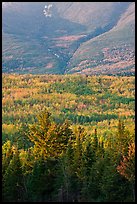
x: 68, y: 37
x: 111, y: 52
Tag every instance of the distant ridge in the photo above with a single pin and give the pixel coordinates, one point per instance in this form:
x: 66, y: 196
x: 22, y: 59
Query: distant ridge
x: 75, y: 37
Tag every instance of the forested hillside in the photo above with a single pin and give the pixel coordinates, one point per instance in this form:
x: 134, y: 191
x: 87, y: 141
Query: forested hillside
x: 68, y: 138
x: 68, y: 102
x: 84, y: 100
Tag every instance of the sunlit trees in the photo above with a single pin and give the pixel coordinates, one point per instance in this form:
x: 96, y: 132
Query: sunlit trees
x: 64, y: 165
x: 25, y: 95
x: 50, y: 139
x: 47, y: 158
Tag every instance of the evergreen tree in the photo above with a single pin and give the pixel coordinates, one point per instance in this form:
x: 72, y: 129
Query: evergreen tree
x: 50, y: 139
x: 95, y: 141
x: 13, y: 189
x: 88, y: 159
x: 127, y: 167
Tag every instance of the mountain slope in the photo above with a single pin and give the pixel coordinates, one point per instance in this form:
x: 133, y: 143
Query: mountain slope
x: 110, y: 53
x: 57, y: 43
x: 92, y: 14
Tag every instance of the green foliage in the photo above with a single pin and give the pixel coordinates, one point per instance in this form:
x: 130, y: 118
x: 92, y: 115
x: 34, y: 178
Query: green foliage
x: 41, y: 181
x: 78, y: 87
x: 113, y: 187
x: 50, y: 139
x: 83, y: 100
x: 13, y: 188
x: 47, y: 158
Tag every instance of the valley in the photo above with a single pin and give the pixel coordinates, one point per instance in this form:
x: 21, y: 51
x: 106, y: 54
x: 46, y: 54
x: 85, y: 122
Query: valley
x: 63, y: 44
x: 68, y: 102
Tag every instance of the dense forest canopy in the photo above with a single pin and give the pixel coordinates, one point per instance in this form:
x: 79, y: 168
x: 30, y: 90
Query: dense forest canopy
x: 68, y: 138
x: 68, y: 102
